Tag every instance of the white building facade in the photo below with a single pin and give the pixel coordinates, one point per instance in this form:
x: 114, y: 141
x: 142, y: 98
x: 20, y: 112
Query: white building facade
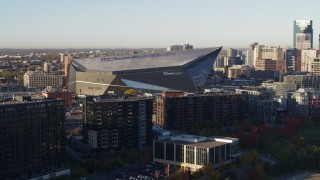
x: 40, y: 79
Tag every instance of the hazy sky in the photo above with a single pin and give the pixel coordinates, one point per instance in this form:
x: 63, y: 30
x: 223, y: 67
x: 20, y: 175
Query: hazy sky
x: 151, y: 23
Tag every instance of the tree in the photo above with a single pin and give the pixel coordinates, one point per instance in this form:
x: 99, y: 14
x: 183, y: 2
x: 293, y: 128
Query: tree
x: 130, y: 91
x: 315, y: 118
x: 249, y: 158
x: 176, y: 176
x: 32, y: 68
x: 260, y: 170
x: 77, y: 131
x: 261, y: 145
x: 206, y: 170
x: 112, y: 153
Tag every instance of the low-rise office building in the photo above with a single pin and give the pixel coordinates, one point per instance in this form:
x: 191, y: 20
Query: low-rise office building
x: 65, y: 94
x: 192, y: 152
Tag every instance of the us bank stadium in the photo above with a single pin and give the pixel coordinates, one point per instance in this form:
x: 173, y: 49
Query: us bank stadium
x: 185, y: 70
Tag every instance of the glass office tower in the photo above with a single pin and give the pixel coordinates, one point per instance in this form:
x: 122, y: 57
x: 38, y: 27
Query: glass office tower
x: 302, y: 34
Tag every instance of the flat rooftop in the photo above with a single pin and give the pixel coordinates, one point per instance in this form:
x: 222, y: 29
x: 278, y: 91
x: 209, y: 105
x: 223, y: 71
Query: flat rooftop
x: 106, y: 98
x: 14, y: 102
x: 142, y: 61
x: 198, y: 141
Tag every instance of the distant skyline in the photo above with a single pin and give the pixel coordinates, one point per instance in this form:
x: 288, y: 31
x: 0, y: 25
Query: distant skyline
x: 152, y: 24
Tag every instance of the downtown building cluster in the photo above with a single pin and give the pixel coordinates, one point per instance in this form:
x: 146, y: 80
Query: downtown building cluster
x: 171, y: 87
x: 262, y: 59
x: 173, y: 82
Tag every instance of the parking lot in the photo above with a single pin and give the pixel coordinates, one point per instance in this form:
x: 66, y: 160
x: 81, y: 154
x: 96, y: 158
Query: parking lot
x: 135, y: 171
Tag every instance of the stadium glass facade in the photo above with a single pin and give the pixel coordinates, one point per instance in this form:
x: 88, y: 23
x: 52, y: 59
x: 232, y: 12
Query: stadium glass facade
x: 182, y: 70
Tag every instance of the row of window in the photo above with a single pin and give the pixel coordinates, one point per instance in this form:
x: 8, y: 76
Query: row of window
x: 217, y: 154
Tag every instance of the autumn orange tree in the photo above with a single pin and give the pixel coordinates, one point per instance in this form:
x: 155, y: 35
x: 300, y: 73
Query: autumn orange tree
x: 206, y: 170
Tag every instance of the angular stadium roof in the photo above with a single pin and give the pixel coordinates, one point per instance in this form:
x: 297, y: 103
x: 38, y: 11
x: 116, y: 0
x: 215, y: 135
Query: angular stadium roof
x: 142, y: 61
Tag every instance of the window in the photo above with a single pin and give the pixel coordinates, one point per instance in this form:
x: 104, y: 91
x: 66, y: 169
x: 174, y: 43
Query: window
x: 190, y: 154
x: 159, y: 150
x: 223, y: 152
x: 179, y: 153
x: 228, y: 151
x: 202, y: 156
x: 169, y: 151
x: 216, y: 155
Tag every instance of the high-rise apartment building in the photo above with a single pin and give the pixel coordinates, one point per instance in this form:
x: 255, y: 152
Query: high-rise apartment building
x: 41, y: 79
x: 112, y: 122
x: 303, y: 81
x: 175, y: 110
x: 66, y: 60
x: 302, y: 34
x: 31, y: 137
x: 298, y: 60
x: 232, y: 52
x: 220, y: 62
x: 250, y: 54
x: 234, y: 61
x: 304, y: 102
x: 291, y: 59
x: 307, y: 58
x: 315, y: 66
x: 269, y: 52
x: 47, y: 67
x: 269, y: 65
x: 281, y: 89
x: 258, y: 104
x: 269, y: 58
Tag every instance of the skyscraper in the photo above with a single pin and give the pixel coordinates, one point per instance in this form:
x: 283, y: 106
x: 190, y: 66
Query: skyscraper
x: 250, y: 54
x: 303, y: 34
x: 231, y: 52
